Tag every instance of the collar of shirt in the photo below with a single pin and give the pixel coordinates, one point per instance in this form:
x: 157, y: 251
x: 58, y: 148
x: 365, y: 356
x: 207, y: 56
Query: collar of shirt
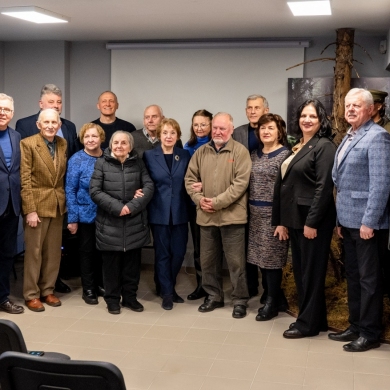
x: 150, y: 139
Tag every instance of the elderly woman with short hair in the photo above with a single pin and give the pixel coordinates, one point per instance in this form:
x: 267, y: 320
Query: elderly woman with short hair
x: 82, y: 210
x: 121, y: 222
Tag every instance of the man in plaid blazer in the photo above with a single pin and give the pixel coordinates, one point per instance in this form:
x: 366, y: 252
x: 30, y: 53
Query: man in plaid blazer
x: 361, y: 174
x: 42, y: 170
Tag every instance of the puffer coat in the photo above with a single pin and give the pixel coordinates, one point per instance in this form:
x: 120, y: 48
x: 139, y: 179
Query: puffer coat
x: 112, y: 186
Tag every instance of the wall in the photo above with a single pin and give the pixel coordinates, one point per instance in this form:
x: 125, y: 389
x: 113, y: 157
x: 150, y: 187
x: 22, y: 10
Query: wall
x: 2, y: 67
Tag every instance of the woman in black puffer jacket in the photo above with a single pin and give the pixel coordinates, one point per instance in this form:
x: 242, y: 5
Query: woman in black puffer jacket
x: 121, y: 188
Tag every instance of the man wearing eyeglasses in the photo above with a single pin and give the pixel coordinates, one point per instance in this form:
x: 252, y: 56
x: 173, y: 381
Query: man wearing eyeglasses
x: 146, y: 138
x: 9, y: 200
x: 256, y: 106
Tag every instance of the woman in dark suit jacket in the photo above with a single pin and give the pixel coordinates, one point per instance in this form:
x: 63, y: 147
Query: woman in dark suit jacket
x: 168, y: 210
x: 304, y: 203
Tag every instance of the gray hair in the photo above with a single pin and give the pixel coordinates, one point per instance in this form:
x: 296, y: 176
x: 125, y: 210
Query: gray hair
x: 127, y: 134
x: 364, y: 93
x: 254, y: 97
x: 224, y: 114
x: 155, y: 105
x: 50, y: 88
x: 3, y: 96
x: 49, y: 110
x: 112, y: 93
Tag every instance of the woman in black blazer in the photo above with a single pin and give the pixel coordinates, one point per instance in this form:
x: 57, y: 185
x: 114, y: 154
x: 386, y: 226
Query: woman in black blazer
x: 168, y: 210
x: 304, y: 203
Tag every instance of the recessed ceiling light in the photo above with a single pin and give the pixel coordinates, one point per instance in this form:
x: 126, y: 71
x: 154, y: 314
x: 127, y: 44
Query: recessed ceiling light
x: 307, y: 8
x: 34, y: 14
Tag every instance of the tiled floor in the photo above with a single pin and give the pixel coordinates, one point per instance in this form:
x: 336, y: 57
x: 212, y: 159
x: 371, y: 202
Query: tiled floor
x: 183, y: 349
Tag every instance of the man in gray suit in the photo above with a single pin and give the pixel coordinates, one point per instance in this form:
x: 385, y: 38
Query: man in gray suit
x: 256, y: 106
x: 361, y: 174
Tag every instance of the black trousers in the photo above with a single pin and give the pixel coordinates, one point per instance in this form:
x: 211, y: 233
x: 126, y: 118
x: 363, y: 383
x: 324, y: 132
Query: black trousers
x: 90, y: 258
x: 195, y: 232
x: 8, y: 235
x: 384, y: 257
x: 121, y: 274
x: 364, y: 279
x: 310, y: 260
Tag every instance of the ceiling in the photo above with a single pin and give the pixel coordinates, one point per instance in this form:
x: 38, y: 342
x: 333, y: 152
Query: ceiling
x: 112, y: 20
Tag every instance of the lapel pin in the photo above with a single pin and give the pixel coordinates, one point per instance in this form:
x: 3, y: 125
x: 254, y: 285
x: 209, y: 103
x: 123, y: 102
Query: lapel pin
x: 177, y: 158
x: 310, y: 146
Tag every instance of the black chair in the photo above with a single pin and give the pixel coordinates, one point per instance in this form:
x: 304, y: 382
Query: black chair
x: 11, y: 339
x: 19, y: 371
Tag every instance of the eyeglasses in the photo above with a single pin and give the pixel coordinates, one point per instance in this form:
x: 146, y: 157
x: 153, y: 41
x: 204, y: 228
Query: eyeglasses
x: 5, y: 110
x: 201, y: 125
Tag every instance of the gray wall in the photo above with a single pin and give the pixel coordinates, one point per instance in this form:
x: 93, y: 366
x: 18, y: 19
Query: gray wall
x: 2, y: 67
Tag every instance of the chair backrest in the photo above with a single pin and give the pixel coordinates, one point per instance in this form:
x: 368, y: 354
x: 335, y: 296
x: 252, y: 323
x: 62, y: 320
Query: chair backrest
x: 19, y: 371
x: 11, y: 338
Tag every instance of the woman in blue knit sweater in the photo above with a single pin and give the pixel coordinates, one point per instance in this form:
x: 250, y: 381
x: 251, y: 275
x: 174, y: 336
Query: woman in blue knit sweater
x: 82, y: 210
x: 200, y: 135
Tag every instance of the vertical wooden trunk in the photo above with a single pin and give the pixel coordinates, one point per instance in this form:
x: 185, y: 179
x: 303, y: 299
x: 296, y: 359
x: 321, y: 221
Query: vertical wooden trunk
x: 342, y: 79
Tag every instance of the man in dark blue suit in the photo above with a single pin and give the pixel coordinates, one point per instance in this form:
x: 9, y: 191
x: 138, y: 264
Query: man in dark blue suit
x: 51, y: 97
x: 9, y: 200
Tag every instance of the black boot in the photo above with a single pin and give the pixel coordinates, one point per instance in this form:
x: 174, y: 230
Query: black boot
x: 268, y: 311
x: 282, y: 301
x: 199, y: 292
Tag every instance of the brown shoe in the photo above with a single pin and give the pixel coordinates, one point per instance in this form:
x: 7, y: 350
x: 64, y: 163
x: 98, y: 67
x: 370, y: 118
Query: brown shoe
x: 35, y: 305
x: 51, y: 300
x: 11, y: 307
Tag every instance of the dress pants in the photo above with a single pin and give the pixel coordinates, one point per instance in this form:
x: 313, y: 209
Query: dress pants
x: 170, y: 245
x: 384, y: 257
x: 42, y: 256
x: 214, y: 241
x: 90, y: 257
x: 364, y: 280
x: 195, y: 232
x: 8, y: 234
x: 121, y: 274
x: 310, y: 260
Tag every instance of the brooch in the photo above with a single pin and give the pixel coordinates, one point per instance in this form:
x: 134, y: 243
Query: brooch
x: 177, y: 158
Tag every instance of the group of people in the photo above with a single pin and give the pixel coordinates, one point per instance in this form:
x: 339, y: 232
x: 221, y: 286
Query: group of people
x: 245, y: 194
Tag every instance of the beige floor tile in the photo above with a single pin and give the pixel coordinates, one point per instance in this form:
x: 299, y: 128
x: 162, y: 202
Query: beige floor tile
x: 75, y: 352
x: 206, y: 336
x: 371, y: 382
x: 173, y: 318
x: 327, y: 361
x: 326, y: 346
x: 214, y: 383
x: 285, y: 357
x: 70, y: 311
x: 146, y: 318
x: 367, y: 365
x: 166, y: 332
x: 189, y: 308
x: 249, y: 324
x: 26, y: 319
x: 276, y: 386
x: 215, y: 323
x: 243, y: 353
x: 382, y: 352
x: 144, y: 361
x: 78, y: 339
x: 90, y: 326
x: 166, y: 347
x: 280, y: 374
x: 329, y: 379
x: 172, y: 381
x: 58, y: 323
x: 127, y: 329
x: 45, y: 336
x: 188, y: 365
x: 120, y: 343
x: 234, y: 369
x: 100, y: 313
x: 104, y: 355
x: 250, y: 339
x: 138, y: 379
x: 198, y: 349
x: 278, y: 341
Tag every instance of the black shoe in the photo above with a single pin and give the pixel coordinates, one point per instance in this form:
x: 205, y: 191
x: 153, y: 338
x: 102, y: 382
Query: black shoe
x: 197, y: 294
x: 113, y: 308
x: 293, y: 333
x: 239, y: 311
x: 177, y: 298
x: 61, y: 287
x: 167, y: 303
x: 346, y: 335
x: 133, y: 305
x: 268, y: 311
x: 11, y: 308
x: 361, y: 345
x: 100, y: 291
x: 90, y: 297
x: 210, y: 305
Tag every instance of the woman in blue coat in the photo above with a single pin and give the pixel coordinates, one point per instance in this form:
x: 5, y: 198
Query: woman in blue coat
x: 168, y: 209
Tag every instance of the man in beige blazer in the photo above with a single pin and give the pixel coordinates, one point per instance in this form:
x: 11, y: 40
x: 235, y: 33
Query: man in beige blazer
x: 42, y: 170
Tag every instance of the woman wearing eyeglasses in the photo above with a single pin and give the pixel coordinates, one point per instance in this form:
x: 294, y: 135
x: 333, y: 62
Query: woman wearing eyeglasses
x: 200, y: 135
